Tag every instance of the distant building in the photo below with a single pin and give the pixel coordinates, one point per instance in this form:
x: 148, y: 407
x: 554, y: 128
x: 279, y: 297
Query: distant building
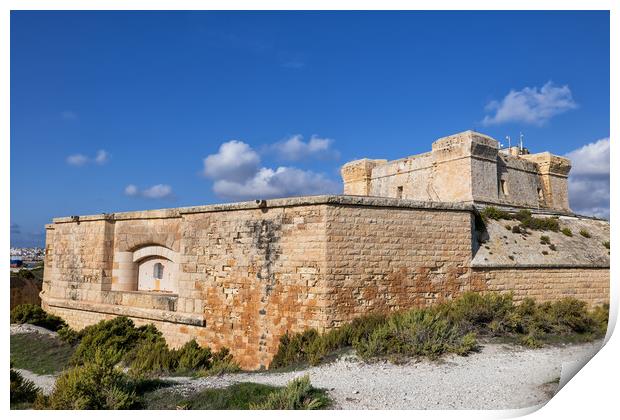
x: 16, y: 262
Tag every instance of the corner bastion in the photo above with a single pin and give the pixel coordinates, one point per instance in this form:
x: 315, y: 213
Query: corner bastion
x: 241, y: 275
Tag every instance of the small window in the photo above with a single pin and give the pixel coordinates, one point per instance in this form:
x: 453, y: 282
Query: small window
x: 158, y: 271
x: 504, y: 186
x: 399, y: 192
x: 541, y: 197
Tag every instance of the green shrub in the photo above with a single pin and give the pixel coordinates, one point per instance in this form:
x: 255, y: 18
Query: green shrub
x: 600, y: 314
x: 297, y: 395
x: 311, y: 347
x: 25, y: 274
x: 295, y: 349
x: 150, y: 357
x: 606, y: 244
x: 567, y: 316
x: 416, y: 333
x: 220, y: 367
x: 476, y: 312
x: 192, y: 357
x: 508, y: 227
x: 585, y: 233
x: 564, y: 317
x: 96, y: 385
x: 450, y: 327
x: 566, y: 231
x: 22, y: 390
x: 545, y: 223
x: 115, y: 338
x: 222, y: 362
x: 69, y: 335
x: 35, y: 315
x: 495, y: 214
x: 143, y: 350
x: 524, y: 217
x: 544, y: 240
x: 241, y: 396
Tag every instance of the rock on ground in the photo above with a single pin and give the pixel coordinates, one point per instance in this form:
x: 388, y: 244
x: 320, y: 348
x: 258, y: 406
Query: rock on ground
x: 29, y: 328
x: 44, y: 382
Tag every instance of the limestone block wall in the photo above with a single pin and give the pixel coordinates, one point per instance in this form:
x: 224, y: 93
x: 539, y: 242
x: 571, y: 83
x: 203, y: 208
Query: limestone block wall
x: 521, y: 180
x: 246, y: 273
x: 554, y: 178
x: 260, y: 272
x: 78, y: 259
x: 561, y: 266
x: 357, y: 175
x: 412, y: 175
x: 388, y: 257
x: 466, y: 167
x: 249, y: 272
x: 548, y: 283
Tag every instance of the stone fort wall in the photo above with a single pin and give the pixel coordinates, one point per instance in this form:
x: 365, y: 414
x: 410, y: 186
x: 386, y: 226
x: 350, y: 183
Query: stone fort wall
x: 249, y: 272
x: 467, y: 167
x: 548, y: 283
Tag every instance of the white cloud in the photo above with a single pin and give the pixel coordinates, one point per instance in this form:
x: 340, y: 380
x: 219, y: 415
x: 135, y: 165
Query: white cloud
x: 68, y: 115
x: 131, y: 190
x: 530, y: 105
x: 588, y: 183
x: 591, y: 159
x: 237, y: 173
x: 235, y: 161
x: 102, y: 157
x: 283, y: 182
x: 158, y: 191
x: 77, y: 160
x: 295, y: 149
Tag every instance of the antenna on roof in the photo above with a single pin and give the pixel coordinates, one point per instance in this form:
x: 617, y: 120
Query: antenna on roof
x: 508, y: 138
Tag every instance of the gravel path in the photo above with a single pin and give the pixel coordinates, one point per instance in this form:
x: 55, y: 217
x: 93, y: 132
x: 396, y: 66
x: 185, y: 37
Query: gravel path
x: 29, y: 328
x: 45, y: 382
x: 498, y: 377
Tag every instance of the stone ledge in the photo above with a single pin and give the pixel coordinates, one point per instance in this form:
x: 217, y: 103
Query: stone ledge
x: 347, y: 200
x: 538, y: 266
x: 152, y: 314
x: 512, y: 208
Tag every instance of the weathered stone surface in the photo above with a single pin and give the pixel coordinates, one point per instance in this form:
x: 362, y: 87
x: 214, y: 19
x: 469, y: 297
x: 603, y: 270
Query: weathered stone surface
x: 503, y: 248
x: 466, y: 167
x: 548, y: 283
x: 241, y: 275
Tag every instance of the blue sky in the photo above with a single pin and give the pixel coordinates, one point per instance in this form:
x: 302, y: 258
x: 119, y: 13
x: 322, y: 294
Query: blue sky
x: 118, y: 111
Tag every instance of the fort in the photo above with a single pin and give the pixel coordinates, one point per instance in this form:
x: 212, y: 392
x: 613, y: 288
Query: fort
x: 405, y: 233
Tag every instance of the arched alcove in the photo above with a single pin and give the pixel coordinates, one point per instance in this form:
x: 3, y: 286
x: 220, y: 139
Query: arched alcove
x: 156, y: 274
x: 151, y: 268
